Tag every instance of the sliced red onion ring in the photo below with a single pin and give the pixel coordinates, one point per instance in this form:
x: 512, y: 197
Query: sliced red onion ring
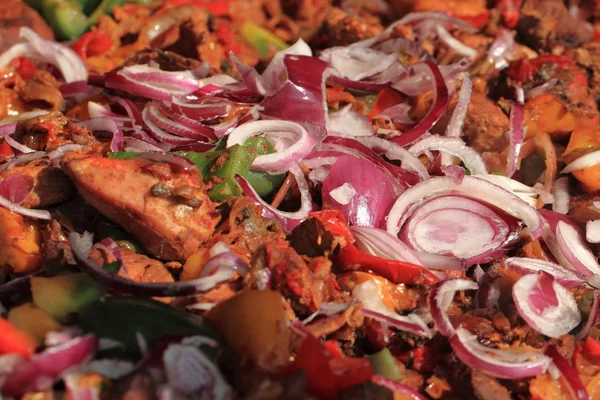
x: 26, y: 212
x: 369, y: 294
x: 349, y: 123
x: 454, y: 43
x: 34, y: 47
x: 108, y: 125
x: 169, y: 125
x: 545, y: 304
x: 470, y: 187
x: 395, y: 152
x: 328, y: 309
x: 565, y: 277
x: 130, y: 108
x: 488, y: 294
x: 453, y: 146
x: 77, y: 89
x: 560, y: 190
x: 197, y: 127
x: 183, y: 80
x: 56, y: 155
x: 191, y: 372
x: 98, y: 111
x: 357, y: 63
x: 524, y: 192
x: 515, y: 136
x: 457, y: 121
x: 503, y: 49
x: 201, y: 111
x: 440, y: 298
x: 81, y: 246
x: 367, y: 204
x: 440, y: 102
x: 575, y: 251
x: 569, y: 373
x: 461, y: 227
x: 22, y: 159
x: 136, y: 145
x: 591, y: 319
x: 502, y: 364
x: 160, y: 134
x: 16, y: 187
x: 587, y: 161
x: 288, y: 220
x: 592, y: 231
x: 300, y: 143
x: 401, y: 45
x: 405, y: 391
x: 302, y: 96
x: 42, y: 370
x: 156, y: 88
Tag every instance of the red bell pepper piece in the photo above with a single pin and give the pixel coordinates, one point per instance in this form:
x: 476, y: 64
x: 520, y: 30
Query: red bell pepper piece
x: 14, y: 340
x: 334, y: 349
x: 350, y: 371
x: 385, y: 99
x: 335, y: 222
x: 5, y: 149
x: 591, y: 348
x: 422, y: 359
x: 93, y: 43
x: 394, y: 270
x: 524, y: 70
x: 24, y: 67
x: 313, y: 359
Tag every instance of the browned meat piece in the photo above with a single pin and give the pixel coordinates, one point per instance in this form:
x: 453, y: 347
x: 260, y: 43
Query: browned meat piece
x: 310, y: 238
x: 545, y: 23
x: 367, y: 390
x: 352, y: 318
x: 486, y: 387
x: 10, y: 102
x: 582, y: 209
x: 588, y: 56
x: 341, y: 29
x: 50, y: 131
x: 42, y: 91
x: 13, y: 15
x: 51, y: 185
x: 305, y: 287
x: 485, y: 125
x: 166, y: 210
x: 168, y: 61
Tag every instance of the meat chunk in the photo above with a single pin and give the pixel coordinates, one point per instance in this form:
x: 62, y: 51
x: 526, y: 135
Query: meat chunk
x: 581, y: 208
x: 545, y: 23
x: 167, y: 211
x: 50, y: 131
x: 167, y: 61
x: 51, y: 185
x: 342, y: 29
x: 487, y: 388
x: 13, y: 15
x: 42, y: 91
x: 485, y: 125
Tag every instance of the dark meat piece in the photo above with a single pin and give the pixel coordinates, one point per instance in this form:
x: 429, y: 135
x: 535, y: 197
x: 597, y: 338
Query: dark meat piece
x: 306, y: 287
x: 310, y: 238
x: 352, y: 318
x: 341, y: 29
x: 581, y: 208
x: 42, y: 91
x: 55, y: 245
x: 13, y: 15
x: 545, y: 23
x: 51, y: 185
x: 487, y: 388
x: 50, y: 131
x: 367, y: 390
x: 485, y: 125
x: 588, y: 56
x: 167, y: 211
x: 167, y: 61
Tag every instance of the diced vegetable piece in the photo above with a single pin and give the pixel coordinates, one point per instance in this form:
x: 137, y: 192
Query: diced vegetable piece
x: 264, y: 41
x: 65, y: 294
x: 546, y: 113
x: 66, y: 18
x: 15, y: 341
x: 19, y: 243
x: 384, y: 364
x: 34, y: 321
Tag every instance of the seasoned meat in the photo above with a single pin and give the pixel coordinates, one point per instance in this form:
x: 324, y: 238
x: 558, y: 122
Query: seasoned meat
x: 488, y: 388
x: 167, y: 61
x: 341, y: 29
x: 13, y: 15
x: 167, y: 211
x: 582, y: 209
x: 51, y: 185
x: 42, y: 91
x: 485, y: 125
x: 50, y: 131
x: 545, y: 23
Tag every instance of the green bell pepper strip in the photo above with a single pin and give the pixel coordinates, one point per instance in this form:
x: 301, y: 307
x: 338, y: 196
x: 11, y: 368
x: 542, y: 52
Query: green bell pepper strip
x: 105, y: 7
x: 384, y: 364
x: 236, y: 160
x: 261, y: 39
x: 66, y: 18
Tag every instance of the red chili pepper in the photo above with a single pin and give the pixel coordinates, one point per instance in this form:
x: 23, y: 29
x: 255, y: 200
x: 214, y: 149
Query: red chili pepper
x: 510, y: 12
x: 422, y: 359
x: 350, y: 371
x: 524, y: 70
x: 375, y: 335
x: 385, y: 99
x: 215, y: 7
x: 333, y: 348
x: 335, y: 222
x: 395, y: 271
x: 5, y: 149
x: 93, y: 43
x: 24, y: 67
x: 14, y: 340
x: 591, y: 348
x: 313, y: 359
